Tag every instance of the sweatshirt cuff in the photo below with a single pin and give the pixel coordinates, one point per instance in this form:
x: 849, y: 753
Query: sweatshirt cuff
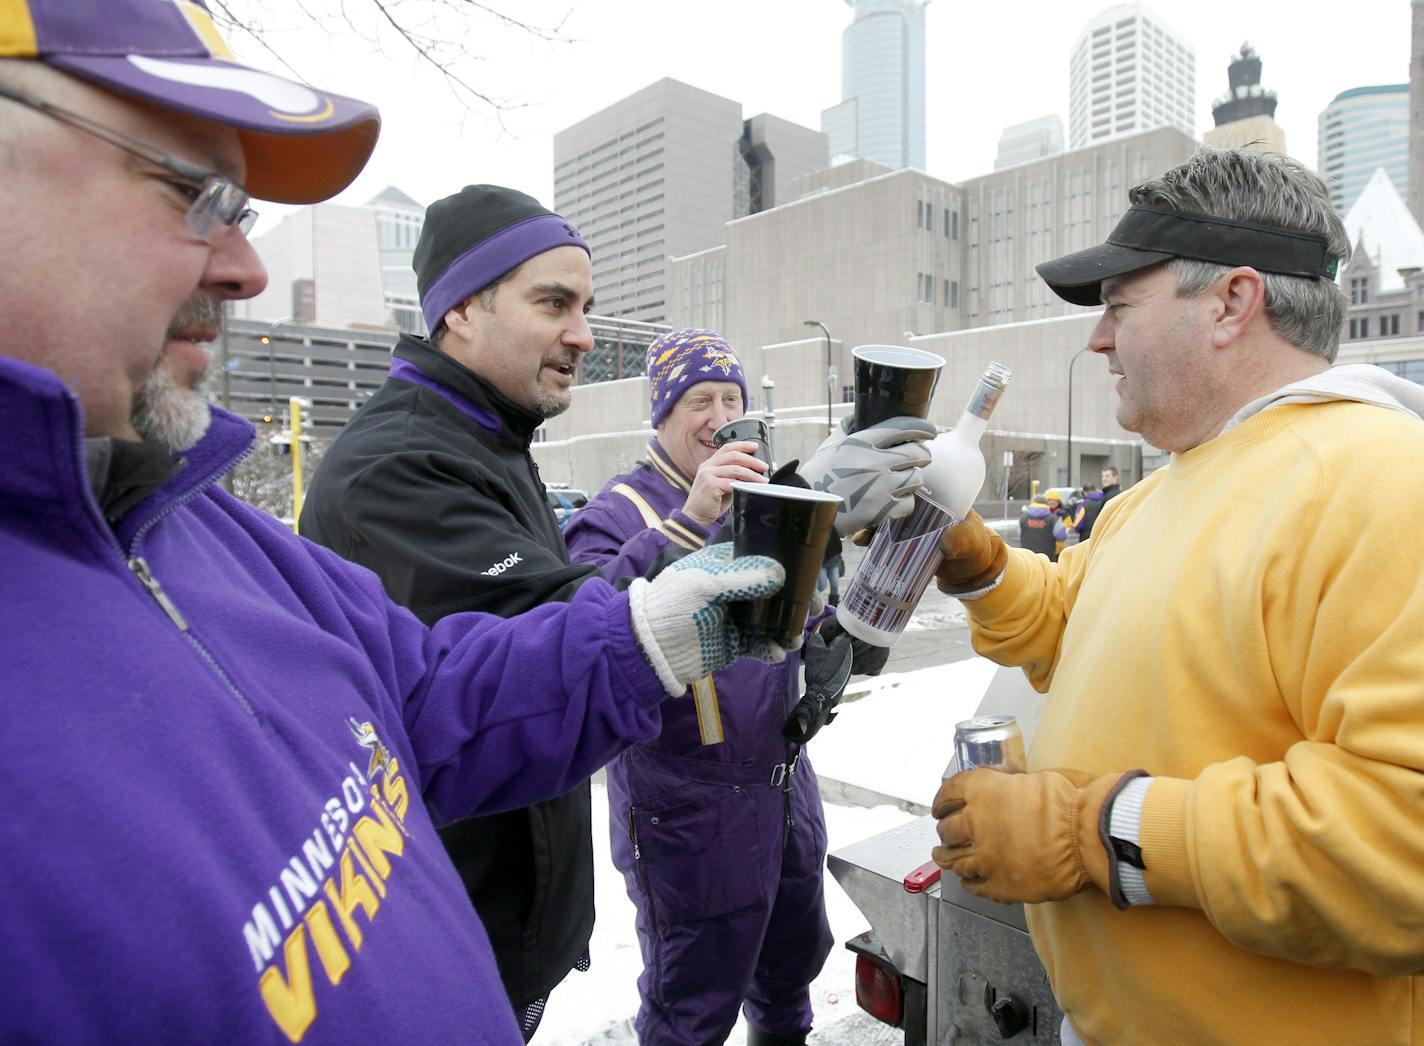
x: 998, y: 598
x: 1164, y: 843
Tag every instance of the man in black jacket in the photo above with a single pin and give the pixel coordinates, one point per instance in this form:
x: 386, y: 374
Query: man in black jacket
x: 432, y: 486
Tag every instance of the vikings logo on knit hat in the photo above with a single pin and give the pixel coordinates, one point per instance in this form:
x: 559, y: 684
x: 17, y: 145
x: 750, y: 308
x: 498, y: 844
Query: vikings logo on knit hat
x: 301, y: 145
x: 471, y: 239
x: 681, y: 359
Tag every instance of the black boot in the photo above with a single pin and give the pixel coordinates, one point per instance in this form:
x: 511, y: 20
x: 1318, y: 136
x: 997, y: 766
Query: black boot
x: 757, y: 1037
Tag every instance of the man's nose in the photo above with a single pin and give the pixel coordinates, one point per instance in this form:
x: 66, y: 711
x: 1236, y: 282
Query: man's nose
x: 1101, y: 338
x: 234, y: 271
x: 579, y: 334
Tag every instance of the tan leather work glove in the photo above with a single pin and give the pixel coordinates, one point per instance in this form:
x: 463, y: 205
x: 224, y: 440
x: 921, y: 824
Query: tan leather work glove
x: 1026, y: 837
x: 974, y: 557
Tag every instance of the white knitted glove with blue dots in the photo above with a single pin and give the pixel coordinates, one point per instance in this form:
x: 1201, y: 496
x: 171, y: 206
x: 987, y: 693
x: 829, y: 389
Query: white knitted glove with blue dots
x: 680, y: 617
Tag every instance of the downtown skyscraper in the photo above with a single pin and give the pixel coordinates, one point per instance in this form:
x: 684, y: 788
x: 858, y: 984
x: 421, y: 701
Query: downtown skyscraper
x: 1129, y: 72
x: 881, y: 116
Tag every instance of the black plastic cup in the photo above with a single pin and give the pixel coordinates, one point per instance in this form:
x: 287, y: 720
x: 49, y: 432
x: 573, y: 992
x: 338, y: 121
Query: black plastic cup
x: 892, y: 381
x: 746, y: 430
x: 791, y: 525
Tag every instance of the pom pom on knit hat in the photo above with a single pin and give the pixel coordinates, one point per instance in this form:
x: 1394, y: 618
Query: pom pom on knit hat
x: 681, y: 359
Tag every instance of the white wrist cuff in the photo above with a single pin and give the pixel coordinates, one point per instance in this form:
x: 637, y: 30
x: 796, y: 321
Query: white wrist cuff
x: 1125, y: 822
x: 643, y: 632
x: 979, y: 593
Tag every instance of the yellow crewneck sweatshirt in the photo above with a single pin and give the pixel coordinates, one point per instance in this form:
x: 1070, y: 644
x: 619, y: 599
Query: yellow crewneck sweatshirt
x: 1247, y: 625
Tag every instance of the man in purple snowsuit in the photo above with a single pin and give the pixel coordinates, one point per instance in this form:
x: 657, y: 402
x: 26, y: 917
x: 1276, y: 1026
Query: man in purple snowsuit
x: 227, y: 750
x: 717, y: 823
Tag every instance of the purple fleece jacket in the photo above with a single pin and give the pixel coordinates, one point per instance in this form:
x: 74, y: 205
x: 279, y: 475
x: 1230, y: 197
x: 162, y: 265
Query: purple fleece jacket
x: 216, y: 825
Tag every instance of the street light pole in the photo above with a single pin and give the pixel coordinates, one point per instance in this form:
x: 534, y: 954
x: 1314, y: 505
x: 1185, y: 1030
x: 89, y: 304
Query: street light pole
x: 272, y: 366
x: 1071, y: 363
x: 767, y: 385
x: 830, y: 391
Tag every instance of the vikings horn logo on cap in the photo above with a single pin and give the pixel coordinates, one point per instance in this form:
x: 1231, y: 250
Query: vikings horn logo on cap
x: 301, y: 145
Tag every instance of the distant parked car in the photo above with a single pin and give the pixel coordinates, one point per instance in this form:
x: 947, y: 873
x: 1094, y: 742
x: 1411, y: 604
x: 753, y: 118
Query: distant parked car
x: 565, y: 501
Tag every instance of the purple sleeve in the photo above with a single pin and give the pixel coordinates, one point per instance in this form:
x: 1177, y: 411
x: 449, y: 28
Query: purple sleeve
x: 512, y: 711
x: 609, y: 533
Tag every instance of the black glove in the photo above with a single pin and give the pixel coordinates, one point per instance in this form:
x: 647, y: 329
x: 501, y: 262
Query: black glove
x: 869, y: 659
x: 827, y: 671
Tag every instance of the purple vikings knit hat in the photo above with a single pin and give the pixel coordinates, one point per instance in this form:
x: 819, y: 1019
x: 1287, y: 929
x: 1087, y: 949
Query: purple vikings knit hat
x: 471, y: 239
x: 301, y: 145
x: 680, y: 359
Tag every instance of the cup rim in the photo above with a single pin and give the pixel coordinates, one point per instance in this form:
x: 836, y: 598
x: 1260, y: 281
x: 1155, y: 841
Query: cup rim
x: 784, y: 490
x: 906, y: 358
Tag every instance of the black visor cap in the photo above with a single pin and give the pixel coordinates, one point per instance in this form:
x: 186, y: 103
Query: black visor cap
x: 1148, y: 236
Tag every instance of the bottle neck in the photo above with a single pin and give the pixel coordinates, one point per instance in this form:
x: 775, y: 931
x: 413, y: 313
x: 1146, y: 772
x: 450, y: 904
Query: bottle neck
x: 982, y: 403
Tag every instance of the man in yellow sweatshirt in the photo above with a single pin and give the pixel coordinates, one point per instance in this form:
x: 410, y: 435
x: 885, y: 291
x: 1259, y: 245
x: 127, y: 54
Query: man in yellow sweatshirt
x: 1232, y: 848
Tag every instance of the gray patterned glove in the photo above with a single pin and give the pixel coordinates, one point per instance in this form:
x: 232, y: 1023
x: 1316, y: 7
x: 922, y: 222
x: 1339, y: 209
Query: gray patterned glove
x: 680, y: 617
x: 875, y: 471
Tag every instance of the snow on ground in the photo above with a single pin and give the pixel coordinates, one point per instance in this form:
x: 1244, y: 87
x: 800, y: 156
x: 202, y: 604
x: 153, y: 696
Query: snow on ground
x: 895, y: 741
x: 898, y: 739
x: 597, y: 1008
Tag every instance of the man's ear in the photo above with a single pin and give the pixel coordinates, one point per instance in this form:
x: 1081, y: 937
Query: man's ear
x: 1241, y: 298
x: 462, y: 319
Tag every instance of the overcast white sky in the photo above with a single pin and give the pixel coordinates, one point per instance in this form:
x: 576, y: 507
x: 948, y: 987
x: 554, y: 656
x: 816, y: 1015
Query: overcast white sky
x: 989, y: 65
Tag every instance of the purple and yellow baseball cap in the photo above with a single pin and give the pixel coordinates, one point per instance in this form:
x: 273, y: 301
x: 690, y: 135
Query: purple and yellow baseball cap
x: 302, y: 145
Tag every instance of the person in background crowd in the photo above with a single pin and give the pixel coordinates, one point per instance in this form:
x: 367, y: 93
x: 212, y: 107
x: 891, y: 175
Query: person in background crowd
x: 1041, y: 528
x: 1228, y: 846
x: 228, y: 747
x: 1112, y: 487
x: 1086, y: 512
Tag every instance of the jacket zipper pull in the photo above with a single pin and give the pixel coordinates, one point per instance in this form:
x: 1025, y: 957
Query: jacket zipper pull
x: 633, y: 833
x: 139, y: 566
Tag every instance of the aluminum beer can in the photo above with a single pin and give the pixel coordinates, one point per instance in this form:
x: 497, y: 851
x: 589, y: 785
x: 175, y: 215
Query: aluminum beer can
x: 993, y: 742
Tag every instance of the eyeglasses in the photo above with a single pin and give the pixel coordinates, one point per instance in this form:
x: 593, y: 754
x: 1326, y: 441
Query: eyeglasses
x: 215, y: 199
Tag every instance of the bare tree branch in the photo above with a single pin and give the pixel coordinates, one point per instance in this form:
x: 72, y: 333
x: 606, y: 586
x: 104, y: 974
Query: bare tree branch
x: 423, y: 26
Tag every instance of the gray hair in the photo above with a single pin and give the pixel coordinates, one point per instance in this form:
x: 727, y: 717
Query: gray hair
x: 1268, y: 189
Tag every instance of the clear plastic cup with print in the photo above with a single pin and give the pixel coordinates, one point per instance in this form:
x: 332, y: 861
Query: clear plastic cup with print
x: 902, y: 557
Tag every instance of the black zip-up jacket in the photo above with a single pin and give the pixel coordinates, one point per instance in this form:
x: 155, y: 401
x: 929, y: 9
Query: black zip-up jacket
x: 439, y: 495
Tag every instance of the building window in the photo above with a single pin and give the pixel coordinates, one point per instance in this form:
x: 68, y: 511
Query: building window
x: 1353, y: 329
x: 954, y: 298
x: 1393, y: 324
x: 925, y: 289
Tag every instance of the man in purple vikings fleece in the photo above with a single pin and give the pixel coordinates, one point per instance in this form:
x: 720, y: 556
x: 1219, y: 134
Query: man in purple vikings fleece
x: 717, y: 823
x: 226, y: 750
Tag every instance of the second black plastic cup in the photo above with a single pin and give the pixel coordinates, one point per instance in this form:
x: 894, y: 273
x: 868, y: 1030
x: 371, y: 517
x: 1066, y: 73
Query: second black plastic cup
x: 892, y: 381
x: 746, y: 430
x: 792, y: 526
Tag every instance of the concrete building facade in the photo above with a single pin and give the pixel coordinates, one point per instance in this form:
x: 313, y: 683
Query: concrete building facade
x: 1245, y: 115
x: 1030, y: 140
x: 660, y: 173
x: 334, y: 266
x: 878, y: 256
x: 1362, y: 129
x: 1129, y: 72
x: 881, y: 115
